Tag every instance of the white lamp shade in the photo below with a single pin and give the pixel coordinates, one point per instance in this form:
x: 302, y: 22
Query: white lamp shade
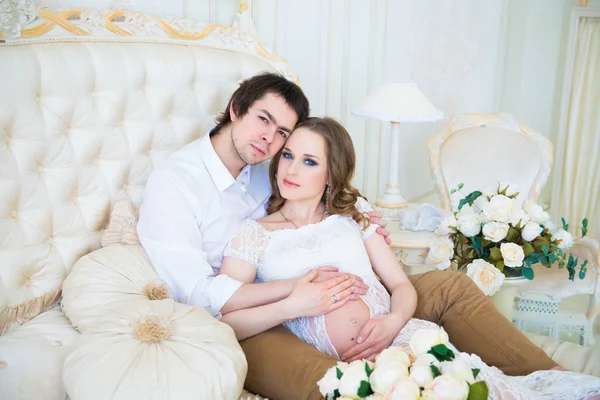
x: 398, y: 102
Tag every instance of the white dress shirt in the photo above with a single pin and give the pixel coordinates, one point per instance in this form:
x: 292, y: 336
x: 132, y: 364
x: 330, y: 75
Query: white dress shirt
x: 192, y: 206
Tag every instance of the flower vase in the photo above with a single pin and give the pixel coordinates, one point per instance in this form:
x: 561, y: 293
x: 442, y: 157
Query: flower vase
x: 505, y: 297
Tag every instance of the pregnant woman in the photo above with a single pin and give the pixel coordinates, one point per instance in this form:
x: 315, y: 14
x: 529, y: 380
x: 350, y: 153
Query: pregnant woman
x: 316, y: 218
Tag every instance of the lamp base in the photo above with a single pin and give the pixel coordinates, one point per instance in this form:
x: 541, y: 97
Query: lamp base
x: 391, y: 206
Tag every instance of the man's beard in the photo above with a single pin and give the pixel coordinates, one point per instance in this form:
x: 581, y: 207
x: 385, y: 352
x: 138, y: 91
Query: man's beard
x: 240, y: 154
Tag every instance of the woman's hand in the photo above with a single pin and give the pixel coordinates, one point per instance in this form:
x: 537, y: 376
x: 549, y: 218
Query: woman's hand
x: 318, y: 293
x: 378, y: 334
x: 376, y: 219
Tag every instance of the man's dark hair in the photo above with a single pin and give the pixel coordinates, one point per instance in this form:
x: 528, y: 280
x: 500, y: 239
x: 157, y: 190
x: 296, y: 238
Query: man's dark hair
x: 255, y: 88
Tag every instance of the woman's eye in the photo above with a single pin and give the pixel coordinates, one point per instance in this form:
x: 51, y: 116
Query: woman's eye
x: 287, y: 155
x: 310, y: 162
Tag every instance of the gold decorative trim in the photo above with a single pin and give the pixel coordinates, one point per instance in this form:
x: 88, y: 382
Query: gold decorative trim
x: 378, y: 204
x: 85, y: 25
x: 583, y: 3
x: 410, y: 245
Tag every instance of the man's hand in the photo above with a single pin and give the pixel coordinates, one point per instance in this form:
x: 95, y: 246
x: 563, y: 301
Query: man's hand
x: 376, y: 219
x: 378, y: 334
x: 317, y: 293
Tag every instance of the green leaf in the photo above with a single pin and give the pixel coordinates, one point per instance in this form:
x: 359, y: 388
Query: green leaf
x: 500, y: 265
x: 336, y: 394
x: 475, y: 372
x: 368, y: 369
x: 364, y: 389
x: 435, y: 371
x: 478, y: 391
x: 460, y: 186
x: 513, y: 235
x: 442, y: 353
x: 527, y: 272
x: 453, y: 191
x: 338, y: 373
x: 495, y: 254
x: 528, y: 248
x: 552, y: 258
x: 545, y: 250
x: 564, y: 224
x: 584, y: 226
x: 461, y: 203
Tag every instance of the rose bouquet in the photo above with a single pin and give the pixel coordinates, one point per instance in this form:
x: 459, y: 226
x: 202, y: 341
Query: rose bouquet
x: 493, y: 235
x: 428, y: 371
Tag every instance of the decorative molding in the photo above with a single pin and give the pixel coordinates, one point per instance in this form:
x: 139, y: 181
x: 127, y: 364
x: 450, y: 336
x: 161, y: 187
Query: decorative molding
x: 43, y: 25
x: 14, y: 15
x: 465, y: 121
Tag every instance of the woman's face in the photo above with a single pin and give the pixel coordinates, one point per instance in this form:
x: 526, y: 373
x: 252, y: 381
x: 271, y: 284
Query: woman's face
x: 302, y: 169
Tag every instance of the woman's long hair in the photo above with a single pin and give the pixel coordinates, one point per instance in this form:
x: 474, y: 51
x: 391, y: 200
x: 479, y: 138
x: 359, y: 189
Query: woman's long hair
x: 341, y: 161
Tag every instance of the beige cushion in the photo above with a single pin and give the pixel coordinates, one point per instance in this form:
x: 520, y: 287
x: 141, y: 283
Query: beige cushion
x: 107, y: 278
x: 121, y: 227
x: 570, y: 356
x: 32, y: 355
x: 156, y: 350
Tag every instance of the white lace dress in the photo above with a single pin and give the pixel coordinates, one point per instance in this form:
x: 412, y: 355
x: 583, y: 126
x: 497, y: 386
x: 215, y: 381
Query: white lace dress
x: 338, y: 241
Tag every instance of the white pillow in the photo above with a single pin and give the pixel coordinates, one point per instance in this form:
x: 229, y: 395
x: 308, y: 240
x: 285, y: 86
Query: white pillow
x: 157, y: 350
x: 32, y: 355
x: 106, y: 279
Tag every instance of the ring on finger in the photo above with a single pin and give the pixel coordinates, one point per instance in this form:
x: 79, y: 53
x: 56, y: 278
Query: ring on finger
x: 335, y: 299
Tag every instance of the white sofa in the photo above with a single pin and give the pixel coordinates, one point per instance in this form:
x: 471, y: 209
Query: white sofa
x: 89, y: 104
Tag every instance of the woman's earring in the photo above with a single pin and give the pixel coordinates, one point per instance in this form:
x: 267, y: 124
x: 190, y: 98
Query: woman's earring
x: 327, y: 194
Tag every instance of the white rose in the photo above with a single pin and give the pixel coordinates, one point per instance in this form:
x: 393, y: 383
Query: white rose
x: 426, y: 359
x: 441, y: 250
x: 459, y: 370
x: 487, y: 277
x: 495, y: 231
x: 448, y: 387
x: 393, y: 354
x: 518, y: 216
x: 480, y: 203
x: 350, y: 380
x: 329, y: 383
x: 530, y: 231
x: 535, y: 211
x: 512, y: 254
x: 384, y: 376
x: 447, y: 226
x: 405, y: 389
x: 429, y: 395
x: 469, y: 222
x: 421, y: 374
x: 424, y: 339
x: 499, y: 208
x: 551, y: 226
x: 566, y: 239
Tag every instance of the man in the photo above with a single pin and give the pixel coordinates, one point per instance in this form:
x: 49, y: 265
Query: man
x: 196, y: 200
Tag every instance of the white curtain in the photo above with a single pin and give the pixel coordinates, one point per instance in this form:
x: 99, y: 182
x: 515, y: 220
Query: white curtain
x: 578, y: 190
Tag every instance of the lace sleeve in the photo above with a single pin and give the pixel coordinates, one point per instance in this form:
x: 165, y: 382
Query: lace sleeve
x: 363, y: 206
x: 248, y: 244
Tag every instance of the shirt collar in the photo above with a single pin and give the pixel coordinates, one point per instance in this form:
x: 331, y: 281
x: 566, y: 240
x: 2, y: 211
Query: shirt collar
x: 218, y: 172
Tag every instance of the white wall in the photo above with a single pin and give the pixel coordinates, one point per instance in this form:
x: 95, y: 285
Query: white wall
x: 466, y: 55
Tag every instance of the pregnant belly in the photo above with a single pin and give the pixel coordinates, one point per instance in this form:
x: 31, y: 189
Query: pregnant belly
x: 344, y: 324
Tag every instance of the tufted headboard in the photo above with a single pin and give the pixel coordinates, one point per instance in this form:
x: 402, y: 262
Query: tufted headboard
x: 90, y: 103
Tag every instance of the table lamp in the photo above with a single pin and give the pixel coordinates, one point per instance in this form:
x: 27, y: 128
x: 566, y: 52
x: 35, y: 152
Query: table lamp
x: 396, y: 103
